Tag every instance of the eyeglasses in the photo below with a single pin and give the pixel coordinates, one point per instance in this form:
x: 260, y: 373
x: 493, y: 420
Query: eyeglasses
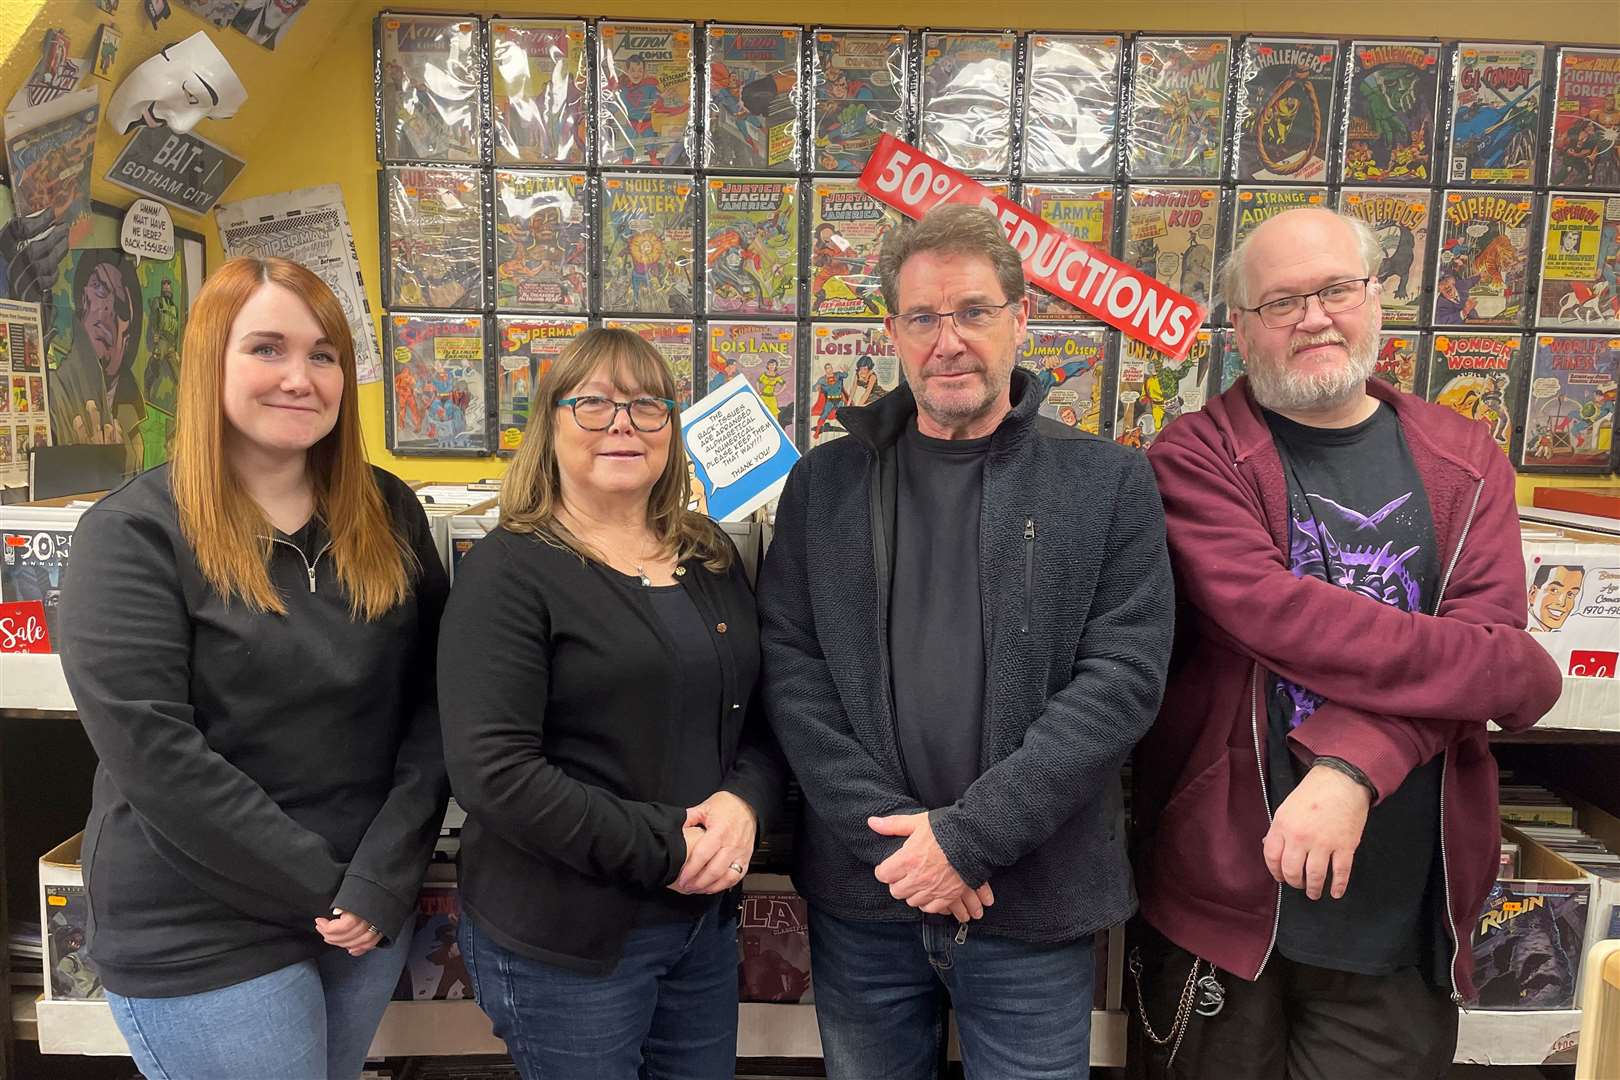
x: 647, y: 414
x: 924, y: 326
x: 1286, y: 311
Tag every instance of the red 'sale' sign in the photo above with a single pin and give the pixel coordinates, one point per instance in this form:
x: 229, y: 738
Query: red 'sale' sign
x: 22, y: 628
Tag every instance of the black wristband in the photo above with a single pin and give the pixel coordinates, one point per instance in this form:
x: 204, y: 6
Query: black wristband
x: 1342, y: 766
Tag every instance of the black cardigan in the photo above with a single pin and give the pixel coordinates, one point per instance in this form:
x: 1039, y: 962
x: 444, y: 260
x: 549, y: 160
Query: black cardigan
x: 557, y: 687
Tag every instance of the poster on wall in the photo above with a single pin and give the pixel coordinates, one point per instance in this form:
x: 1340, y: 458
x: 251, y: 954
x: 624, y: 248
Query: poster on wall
x: 435, y: 390
x: 175, y: 167
x: 25, y: 408
x: 1285, y: 109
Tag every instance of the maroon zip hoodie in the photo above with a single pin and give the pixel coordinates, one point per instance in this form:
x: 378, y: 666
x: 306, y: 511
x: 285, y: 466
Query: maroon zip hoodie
x: 1400, y: 687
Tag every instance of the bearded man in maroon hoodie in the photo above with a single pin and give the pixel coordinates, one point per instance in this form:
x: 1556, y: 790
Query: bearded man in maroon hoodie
x: 1316, y: 803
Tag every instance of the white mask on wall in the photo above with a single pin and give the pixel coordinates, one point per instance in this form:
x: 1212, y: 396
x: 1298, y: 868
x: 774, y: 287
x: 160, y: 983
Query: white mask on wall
x: 183, y: 83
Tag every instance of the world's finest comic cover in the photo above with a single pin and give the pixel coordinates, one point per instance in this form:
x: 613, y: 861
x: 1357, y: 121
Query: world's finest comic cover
x: 542, y: 242
x: 765, y: 353
x: 1527, y: 944
x: 538, y: 91
x: 1495, y: 113
x: 1153, y: 390
x: 1086, y: 211
x: 1483, y: 266
x: 647, y: 228
x: 1070, y: 114
x: 1570, y: 421
x: 1400, y: 359
x: 1401, y: 219
x: 435, y: 237
x: 753, y: 98
x: 859, y: 79
x: 752, y: 249
x: 1170, y: 234
x: 436, y: 376
x: 1389, y: 131
x: 966, y: 102
x: 850, y: 364
x: 525, y: 347
x: 429, y: 88
x: 1480, y: 376
x: 1069, y: 365
x: 673, y: 340
x: 644, y: 94
x: 1580, y: 262
x: 1586, y: 120
x: 1285, y: 108
x: 847, y: 230
x: 1178, y: 107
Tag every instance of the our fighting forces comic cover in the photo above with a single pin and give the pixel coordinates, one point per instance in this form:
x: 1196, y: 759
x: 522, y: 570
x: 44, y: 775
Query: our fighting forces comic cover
x: 436, y: 374
x: 542, y: 242
x: 72, y: 973
x: 1480, y: 376
x: 1178, y: 107
x: 966, y: 100
x: 1389, y: 132
x: 1400, y: 359
x: 1484, y: 260
x: 850, y: 364
x: 1085, y: 211
x: 435, y: 237
x: 1495, y: 113
x: 753, y: 98
x: 1580, y: 262
x: 31, y: 566
x: 648, y: 224
x: 1072, y: 84
x: 1586, y: 120
x: 525, y: 347
x: 1256, y: 204
x: 1570, y: 420
x: 767, y: 354
x: 859, y: 83
x: 1154, y: 389
x: 673, y: 340
x: 1401, y: 220
x: 430, y: 88
x: 1285, y: 109
x: 773, y: 946
x: 1527, y: 944
x: 434, y: 967
x: 751, y: 257
x: 644, y: 94
x: 847, y: 230
x: 538, y: 97
x: 1069, y: 365
x: 1170, y: 234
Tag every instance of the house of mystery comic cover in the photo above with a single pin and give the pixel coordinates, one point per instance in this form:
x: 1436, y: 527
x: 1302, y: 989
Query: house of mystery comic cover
x: 1153, y: 389
x: 1586, y: 120
x: 1072, y: 95
x: 1178, y: 107
x: 753, y: 98
x: 966, y: 100
x: 847, y: 230
x: 525, y: 347
x: 435, y: 237
x: 1527, y: 944
x: 436, y: 376
x: 1480, y: 376
x: 673, y: 340
x: 1400, y: 359
x: 1069, y: 365
x: 429, y: 87
x: 648, y: 224
x: 644, y: 94
x: 1580, y: 262
x: 538, y: 91
x: 1390, y: 106
x: 1495, y: 113
x: 542, y: 242
x: 859, y: 82
x: 850, y: 364
x: 1086, y: 211
x: 1170, y: 234
x: 1401, y: 220
x: 767, y: 354
x: 1570, y: 420
x: 1285, y: 109
x: 1484, y: 259
x: 751, y: 256
x: 1256, y: 204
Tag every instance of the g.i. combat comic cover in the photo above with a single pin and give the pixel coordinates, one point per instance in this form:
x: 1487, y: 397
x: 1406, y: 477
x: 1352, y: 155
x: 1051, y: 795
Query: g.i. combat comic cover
x: 850, y: 364
x: 1400, y: 359
x: 1484, y: 260
x: 1154, y: 390
x: 1389, y: 132
x: 1170, y: 234
x: 538, y: 92
x: 436, y: 375
x: 542, y: 242
x: 1256, y: 204
x: 1495, y: 113
x: 847, y: 230
x: 429, y: 87
x: 753, y: 98
x: 673, y: 340
x: 1069, y: 365
x: 524, y: 350
x: 1580, y: 262
x: 644, y: 94
x: 1480, y: 376
x: 767, y: 354
x: 1570, y: 421
x: 1072, y: 83
x: 1285, y: 109
x: 859, y: 80
x: 966, y: 100
x: 752, y: 252
x: 647, y: 231
x: 1527, y: 944
x: 435, y: 237
x: 1085, y: 211
x: 1401, y: 221
x: 1178, y: 107
x: 1586, y: 120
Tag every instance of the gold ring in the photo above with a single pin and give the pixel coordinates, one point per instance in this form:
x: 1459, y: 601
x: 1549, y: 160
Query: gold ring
x: 737, y: 867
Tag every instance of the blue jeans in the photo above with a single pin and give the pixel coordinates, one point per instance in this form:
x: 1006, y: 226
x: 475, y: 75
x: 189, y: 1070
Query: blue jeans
x: 668, y: 1011
x: 313, y: 1020
x: 1023, y: 1012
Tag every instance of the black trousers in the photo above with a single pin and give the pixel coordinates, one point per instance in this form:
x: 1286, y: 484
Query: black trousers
x: 1297, y: 1022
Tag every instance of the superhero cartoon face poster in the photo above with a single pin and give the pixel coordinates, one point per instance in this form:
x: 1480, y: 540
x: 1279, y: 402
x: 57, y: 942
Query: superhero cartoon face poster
x: 1401, y: 220
x: 1389, y: 128
x: 1569, y: 425
x: 767, y: 355
x: 1178, y: 107
x: 542, y: 242
x: 647, y: 234
x: 1480, y: 376
x: 752, y: 252
x: 1285, y: 109
x: 1586, y: 120
x: 435, y: 383
x: 1580, y: 262
x: 1069, y: 368
x: 859, y: 79
x: 644, y: 94
x: 753, y: 98
x: 1154, y: 390
x: 850, y: 364
x: 525, y: 347
x: 1495, y: 113
x: 1483, y: 267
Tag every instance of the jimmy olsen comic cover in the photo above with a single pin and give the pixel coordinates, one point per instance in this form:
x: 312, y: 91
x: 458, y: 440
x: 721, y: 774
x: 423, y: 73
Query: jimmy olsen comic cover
x: 1178, y: 107
x: 860, y: 93
x: 1085, y: 211
x: 1580, y: 262
x: 542, y: 241
x: 647, y: 227
x: 1495, y: 113
x: 1389, y: 129
x: 751, y: 262
x: 753, y: 98
x: 767, y: 355
x: 1480, y: 376
x: 850, y: 364
x: 1170, y: 233
x: 1569, y: 425
x: 1482, y: 268
x: 847, y: 230
x: 1401, y: 219
x: 1154, y: 390
x: 435, y: 379
x: 1285, y: 109
x: 1069, y: 368
x: 525, y: 347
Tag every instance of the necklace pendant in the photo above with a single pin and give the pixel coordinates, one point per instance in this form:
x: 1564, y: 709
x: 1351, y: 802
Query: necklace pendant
x: 642, y: 574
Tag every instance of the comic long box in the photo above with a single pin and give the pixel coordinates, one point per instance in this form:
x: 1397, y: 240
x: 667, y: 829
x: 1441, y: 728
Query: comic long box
x: 1604, y: 826
x: 63, y: 907
x: 1529, y: 937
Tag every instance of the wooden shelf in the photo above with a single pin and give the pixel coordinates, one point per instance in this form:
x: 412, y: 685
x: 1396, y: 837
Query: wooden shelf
x: 24, y: 1018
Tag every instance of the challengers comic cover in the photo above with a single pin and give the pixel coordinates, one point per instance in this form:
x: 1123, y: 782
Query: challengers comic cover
x: 847, y: 230
x: 1285, y: 109
x: 435, y: 380
x: 538, y: 98
x: 429, y: 85
x: 435, y: 237
x: 1389, y: 129
x: 1087, y: 212
x: 1072, y: 85
x: 524, y: 349
x: 1178, y: 107
x: 753, y: 98
x: 644, y: 94
x: 1154, y: 390
x: 850, y: 364
x: 767, y: 354
x: 1069, y: 368
x: 1570, y: 420
x: 1483, y: 265
x: 1495, y: 113
x: 859, y: 79
x: 751, y: 258
x: 542, y: 242
x: 966, y: 100
x: 1170, y: 235
x: 1401, y: 220
x: 1256, y: 204
x: 1580, y: 262
x: 648, y: 224
x: 673, y: 340
x: 1480, y: 376
x: 1586, y: 120
x: 1400, y: 359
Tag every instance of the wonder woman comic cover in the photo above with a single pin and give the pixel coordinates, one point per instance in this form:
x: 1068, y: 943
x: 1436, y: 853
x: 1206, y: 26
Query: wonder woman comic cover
x: 542, y: 242
x: 1480, y: 376
x: 752, y: 251
x: 647, y: 242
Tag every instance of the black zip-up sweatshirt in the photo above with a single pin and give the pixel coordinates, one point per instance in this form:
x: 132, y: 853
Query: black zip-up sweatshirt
x: 256, y: 770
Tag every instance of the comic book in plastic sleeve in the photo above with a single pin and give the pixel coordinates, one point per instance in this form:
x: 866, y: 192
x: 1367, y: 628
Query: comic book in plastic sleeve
x: 1400, y: 359
x: 767, y: 355
x: 434, y: 967
x: 850, y: 364
x: 1285, y: 108
x: 1496, y: 92
x: 1072, y: 105
x: 751, y: 258
x: 752, y: 90
x: 1402, y: 220
x: 542, y: 241
x: 1586, y: 121
x: 1480, y: 376
x: 1086, y: 211
x: 860, y: 92
x: 966, y: 100
x: 1227, y: 364
x: 32, y: 561
x: 435, y: 383
x: 1170, y: 234
x: 1569, y: 424
x: 1483, y: 266
x: 525, y: 347
x: 644, y: 80
x: 67, y: 962
x: 1580, y: 262
x: 648, y: 226
x: 539, y: 94
x: 1252, y: 205
x: 1527, y: 944
x: 1390, y: 104
x: 50, y: 150
x: 429, y: 87
x: 673, y: 340
x: 1177, y: 107
x: 773, y: 948
x: 847, y: 230
x: 1152, y: 389
x: 435, y: 237
x: 1069, y: 364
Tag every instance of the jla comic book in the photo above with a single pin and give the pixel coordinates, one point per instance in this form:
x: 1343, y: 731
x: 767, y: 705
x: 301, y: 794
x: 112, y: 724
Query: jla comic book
x: 751, y: 258
x: 847, y: 230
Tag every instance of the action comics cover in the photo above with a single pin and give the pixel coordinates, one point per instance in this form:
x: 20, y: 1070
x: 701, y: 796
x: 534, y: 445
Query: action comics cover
x: 1070, y: 367
x: 538, y: 84
x: 1389, y: 130
x: 767, y: 354
x: 435, y: 237
x: 1483, y: 266
x: 1070, y: 112
x: 542, y: 242
x: 850, y: 364
x: 1495, y: 113
x: 1480, y: 376
x: 1400, y: 359
x: 847, y: 230
x: 1401, y: 219
x: 673, y: 340
x: 753, y: 98
x: 1178, y: 107
x: 436, y: 376
x: 751, y: 257
x: 648, y: 224
x: 1285, y: 108
x: 860, y: 93
x: 430, y: 83
x: 1586, y: 120
x: 1170, y: 234
x: 966, y: 101
x: 644, y: 94
x: 525, y: 347
x: 1085, y: 211
x: 1580, y: 262
x: 1570, y: 421
x: 1154, y: 390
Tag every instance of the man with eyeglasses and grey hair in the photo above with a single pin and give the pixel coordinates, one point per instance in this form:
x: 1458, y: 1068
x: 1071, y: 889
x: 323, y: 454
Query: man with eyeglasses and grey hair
x: 966, y: 621
x: 1315, y: 808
